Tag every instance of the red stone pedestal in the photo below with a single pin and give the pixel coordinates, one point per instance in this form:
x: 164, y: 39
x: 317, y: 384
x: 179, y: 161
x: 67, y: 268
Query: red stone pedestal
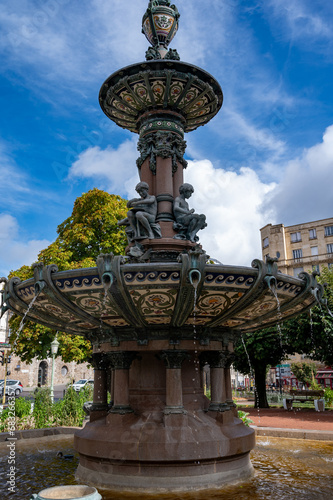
x: 170, y: 441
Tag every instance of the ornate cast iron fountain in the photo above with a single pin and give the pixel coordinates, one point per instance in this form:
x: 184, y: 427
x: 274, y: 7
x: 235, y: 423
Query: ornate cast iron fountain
x: 156, y: 316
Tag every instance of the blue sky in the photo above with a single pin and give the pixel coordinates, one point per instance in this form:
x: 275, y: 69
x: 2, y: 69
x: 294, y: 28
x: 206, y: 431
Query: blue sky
x: 266, y: 157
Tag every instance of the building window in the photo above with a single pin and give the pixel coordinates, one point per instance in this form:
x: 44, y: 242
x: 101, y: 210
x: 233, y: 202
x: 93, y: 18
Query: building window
x: 315, y: 268
x: 330, y: 265
x: 295, y: 237
x: 314, y: 251
x: 297, y: 271
x: 265, y: 242
x: 312, y: 234
x: 297, y: 254
x: 329, y: 248
x: 329, y: 231
x: 64, y: 371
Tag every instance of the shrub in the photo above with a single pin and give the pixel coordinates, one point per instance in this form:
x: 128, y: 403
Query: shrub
x: 243, y: 415
x: 22, y: 407
x: 69, y: 411
x: 328, y: 396
x: 43, y: 408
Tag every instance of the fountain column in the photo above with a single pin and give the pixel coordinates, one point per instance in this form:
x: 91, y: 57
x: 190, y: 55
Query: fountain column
x: 173, y: 360
x: 100, y: 404
x: 229, y: 357
x: 217, y: 361
x: 161, y: 162
x: 121, y: 362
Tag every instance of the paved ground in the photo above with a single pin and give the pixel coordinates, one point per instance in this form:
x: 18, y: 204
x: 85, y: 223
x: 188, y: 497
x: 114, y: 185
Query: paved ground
x: 305, y: 418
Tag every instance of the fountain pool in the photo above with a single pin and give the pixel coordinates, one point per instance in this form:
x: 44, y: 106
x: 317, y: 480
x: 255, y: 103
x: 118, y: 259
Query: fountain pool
x: 284, y: 469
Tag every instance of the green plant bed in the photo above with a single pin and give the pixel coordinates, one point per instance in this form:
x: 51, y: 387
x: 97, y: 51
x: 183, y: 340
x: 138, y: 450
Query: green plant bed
x: 65, y: 412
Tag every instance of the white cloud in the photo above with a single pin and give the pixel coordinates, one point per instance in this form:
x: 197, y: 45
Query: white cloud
x: 231, y: 204
x: 258, y: 137
x: 15, y: 253
x: 301, y: 21
x: 114, y: 169
x: 305, y: 192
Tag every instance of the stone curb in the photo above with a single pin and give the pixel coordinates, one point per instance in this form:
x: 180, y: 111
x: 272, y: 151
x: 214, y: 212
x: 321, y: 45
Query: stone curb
x: 315, y: 435
x: 38, y: 433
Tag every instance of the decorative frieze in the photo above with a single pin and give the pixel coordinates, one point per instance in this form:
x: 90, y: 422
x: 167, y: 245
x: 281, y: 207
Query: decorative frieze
x: 164, y: 145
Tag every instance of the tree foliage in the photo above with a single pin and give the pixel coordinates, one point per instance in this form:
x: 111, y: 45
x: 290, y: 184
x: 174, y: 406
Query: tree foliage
x: 304, y: 372
x: 90, y: 230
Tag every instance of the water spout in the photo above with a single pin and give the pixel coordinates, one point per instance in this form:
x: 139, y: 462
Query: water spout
x: 39, y: 286
x: 107, y: 280
x: 194, y: 276
x: 271, y: 283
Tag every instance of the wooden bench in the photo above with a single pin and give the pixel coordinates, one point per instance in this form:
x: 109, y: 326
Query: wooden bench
x: 302, y: 396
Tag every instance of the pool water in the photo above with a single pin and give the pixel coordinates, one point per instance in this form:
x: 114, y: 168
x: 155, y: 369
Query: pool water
x: 284, y: 469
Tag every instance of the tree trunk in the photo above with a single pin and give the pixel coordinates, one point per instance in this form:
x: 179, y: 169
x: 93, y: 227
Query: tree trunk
x: 260, y: 387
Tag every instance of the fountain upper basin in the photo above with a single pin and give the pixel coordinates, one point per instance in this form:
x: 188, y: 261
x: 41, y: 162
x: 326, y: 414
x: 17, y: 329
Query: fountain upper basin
x: 146, y: 301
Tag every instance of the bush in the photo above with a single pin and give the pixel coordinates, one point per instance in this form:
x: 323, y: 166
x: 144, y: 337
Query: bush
x: 243, y: 415
x: 69, y: 411
x: 43, y: 408
x: 22, y: 407
x: 328, y: 396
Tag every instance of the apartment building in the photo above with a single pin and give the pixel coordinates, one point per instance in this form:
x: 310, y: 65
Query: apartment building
x: 302, y: 247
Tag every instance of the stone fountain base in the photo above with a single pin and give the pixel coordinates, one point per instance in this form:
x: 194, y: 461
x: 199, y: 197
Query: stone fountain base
x: 170, y: 452
x: 159, y: 442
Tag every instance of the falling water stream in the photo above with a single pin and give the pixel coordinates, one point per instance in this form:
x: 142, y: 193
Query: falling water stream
x: 196, y: 361
x: 30, y: 306
x: 285, y: 469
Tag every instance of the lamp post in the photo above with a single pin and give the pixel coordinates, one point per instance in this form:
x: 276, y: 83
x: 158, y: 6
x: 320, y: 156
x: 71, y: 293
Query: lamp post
x: 54, y: 350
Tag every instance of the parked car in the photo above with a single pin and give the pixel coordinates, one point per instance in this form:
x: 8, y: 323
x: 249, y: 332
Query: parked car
x: 84, y: 382
x: 12, y: 387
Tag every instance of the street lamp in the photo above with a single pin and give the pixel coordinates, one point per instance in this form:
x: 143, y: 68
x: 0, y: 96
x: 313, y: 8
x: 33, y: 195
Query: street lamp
x: 54, y: 350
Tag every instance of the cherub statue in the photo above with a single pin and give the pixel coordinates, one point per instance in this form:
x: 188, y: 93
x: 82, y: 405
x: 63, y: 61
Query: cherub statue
x: 188, y: 223
x: 142, y: 215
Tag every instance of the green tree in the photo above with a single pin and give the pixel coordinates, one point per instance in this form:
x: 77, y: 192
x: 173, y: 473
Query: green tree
x: 256, y: 352
x: 90, y: 230
x: 304, y: 372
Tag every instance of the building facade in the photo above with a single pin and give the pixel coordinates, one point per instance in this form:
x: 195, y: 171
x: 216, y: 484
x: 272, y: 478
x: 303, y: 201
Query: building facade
x: 38, y: 372
x: 302, y: 247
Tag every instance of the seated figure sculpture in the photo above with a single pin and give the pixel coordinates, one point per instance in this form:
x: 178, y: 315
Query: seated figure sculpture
x: 141, y: 217
x: 188, y: 223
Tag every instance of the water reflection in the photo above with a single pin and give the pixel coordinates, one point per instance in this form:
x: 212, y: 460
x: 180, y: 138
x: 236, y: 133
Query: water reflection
x: 285, y: 469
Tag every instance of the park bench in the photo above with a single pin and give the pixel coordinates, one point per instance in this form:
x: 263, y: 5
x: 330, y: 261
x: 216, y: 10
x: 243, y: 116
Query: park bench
x: 303, y: 396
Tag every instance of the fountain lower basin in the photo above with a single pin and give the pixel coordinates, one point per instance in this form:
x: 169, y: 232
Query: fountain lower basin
x: 284, y: 469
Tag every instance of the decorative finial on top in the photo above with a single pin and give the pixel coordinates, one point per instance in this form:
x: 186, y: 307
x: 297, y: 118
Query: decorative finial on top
x: 159, y: 25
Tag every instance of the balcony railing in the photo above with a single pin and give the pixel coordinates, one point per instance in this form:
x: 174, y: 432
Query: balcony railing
x: 308, y: 260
